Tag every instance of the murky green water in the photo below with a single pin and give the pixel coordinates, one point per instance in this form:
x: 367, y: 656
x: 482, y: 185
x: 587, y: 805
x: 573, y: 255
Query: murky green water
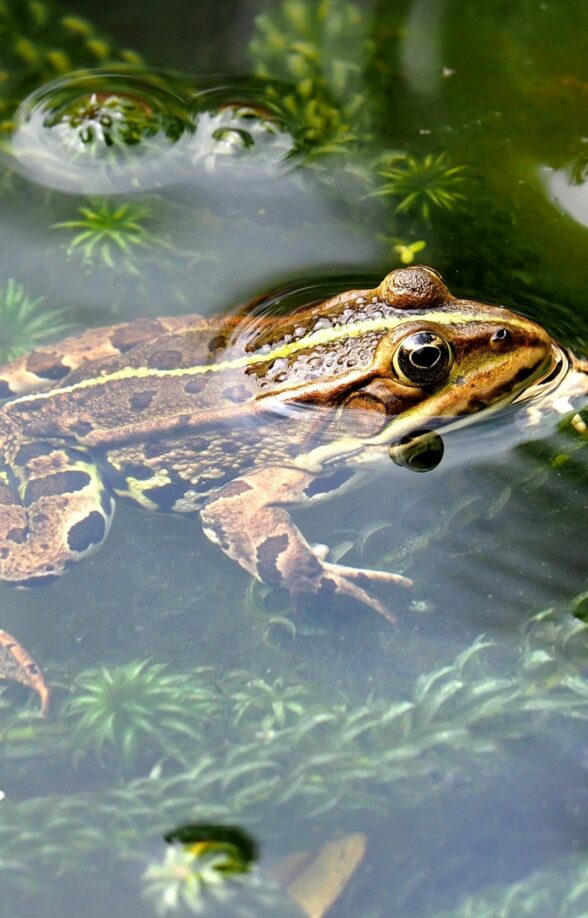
x: 293, y: 150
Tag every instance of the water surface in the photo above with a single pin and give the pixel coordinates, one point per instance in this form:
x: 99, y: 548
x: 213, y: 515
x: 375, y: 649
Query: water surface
x: 297, y: 150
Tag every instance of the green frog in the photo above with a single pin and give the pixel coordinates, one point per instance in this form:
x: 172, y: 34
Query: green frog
x: 241, y: 419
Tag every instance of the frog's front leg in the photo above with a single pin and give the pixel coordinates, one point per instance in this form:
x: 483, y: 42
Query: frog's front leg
x: 54, y: 510
x: 248, y: 519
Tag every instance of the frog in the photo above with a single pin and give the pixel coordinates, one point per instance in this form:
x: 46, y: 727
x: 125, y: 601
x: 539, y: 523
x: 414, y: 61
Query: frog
x: 242, y: 418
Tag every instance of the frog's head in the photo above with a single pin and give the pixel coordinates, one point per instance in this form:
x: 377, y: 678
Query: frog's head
x: 439, y: 357
x: 459, y: 355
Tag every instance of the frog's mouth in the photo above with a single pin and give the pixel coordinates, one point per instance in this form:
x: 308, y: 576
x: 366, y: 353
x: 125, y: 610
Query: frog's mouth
x: 444, y: 411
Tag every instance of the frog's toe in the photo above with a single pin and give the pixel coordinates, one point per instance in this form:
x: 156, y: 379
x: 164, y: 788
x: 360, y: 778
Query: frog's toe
x: 367, y: 575
x: 336, y: 579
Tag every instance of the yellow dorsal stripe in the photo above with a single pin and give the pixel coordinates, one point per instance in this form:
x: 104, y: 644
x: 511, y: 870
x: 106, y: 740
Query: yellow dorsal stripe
x: 320, y: 337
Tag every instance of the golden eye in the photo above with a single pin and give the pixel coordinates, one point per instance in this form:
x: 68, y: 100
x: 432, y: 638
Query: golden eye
x: 422, y: 359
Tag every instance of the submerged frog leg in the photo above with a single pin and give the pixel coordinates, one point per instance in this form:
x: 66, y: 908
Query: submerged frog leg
x: 248, y: 520
x: 17, y: 665
x: 54, y: 510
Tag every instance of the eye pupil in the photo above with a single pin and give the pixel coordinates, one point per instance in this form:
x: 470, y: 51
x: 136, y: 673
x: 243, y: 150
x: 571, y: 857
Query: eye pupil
x: 422, y: 359
x: 426, y: 357
x: 501, y: 334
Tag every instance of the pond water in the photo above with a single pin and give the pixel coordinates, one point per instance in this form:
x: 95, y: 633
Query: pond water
x: 209, y: 748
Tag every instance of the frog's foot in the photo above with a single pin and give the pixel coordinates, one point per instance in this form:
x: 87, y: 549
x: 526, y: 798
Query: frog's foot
x: 54, y: 510
x: 16, y: 664
x: 248, y: 519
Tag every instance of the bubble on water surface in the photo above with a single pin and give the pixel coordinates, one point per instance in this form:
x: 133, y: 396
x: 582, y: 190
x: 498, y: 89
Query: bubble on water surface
x: 243, y: 133
x: 101, y: 132
x: 110, y: 132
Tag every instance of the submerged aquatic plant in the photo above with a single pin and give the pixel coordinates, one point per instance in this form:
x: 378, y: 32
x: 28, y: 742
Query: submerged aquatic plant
x: 423, y: 184
x: 407, y: 251
x: 560, y: 889
x: 136, y: 711
x: 320, y: 50
x: 25, y: 322
x: 41, y: 42
x: 110, y: 233
x: 344, y: 757
x: 272, y: 705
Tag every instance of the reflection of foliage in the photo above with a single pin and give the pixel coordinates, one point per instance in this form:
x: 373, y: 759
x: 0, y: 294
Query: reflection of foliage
x: 560, y: 890
x: 132, y: 709
x: 247, y: 133
x: 110, y: 120
x: 320, y: 48
x: 110, y: 233
x: 24, y: 323
x: 423, y: 184
x: 39, y: 43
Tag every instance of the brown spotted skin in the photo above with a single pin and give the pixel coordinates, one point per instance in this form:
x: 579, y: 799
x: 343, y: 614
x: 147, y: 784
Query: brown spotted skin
x: 241, y: 417
x: 47, y: 365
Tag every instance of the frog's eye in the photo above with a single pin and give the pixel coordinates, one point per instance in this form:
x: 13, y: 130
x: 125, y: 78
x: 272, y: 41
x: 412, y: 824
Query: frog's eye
x: 422, y: 359
x: 501, y: 336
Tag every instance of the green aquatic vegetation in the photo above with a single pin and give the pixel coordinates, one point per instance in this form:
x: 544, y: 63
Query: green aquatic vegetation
x: 560, y: 889
x: 407, y: 251
x: 25, y: 322
x: 320, y: 50
x: 110, y: 234
x: 40, y: 41
x: 136, y: 711
x: 321, y: 756
x: 301, y: 40
x: 423, y: 184
x: 187, y: 879
x: 272, y: 705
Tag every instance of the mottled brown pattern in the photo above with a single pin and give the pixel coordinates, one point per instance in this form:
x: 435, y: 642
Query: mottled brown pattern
x: 226, y: 422
x: 235, y: 489
x: 267, y: 556
x: 166, y: 359
x: 195, y: 385
x: 237, y: 394
x: 142, y: 400
x: 58, y: 483
x: 129, y: 336
x: 17, y: 535
x: 46, y: 365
